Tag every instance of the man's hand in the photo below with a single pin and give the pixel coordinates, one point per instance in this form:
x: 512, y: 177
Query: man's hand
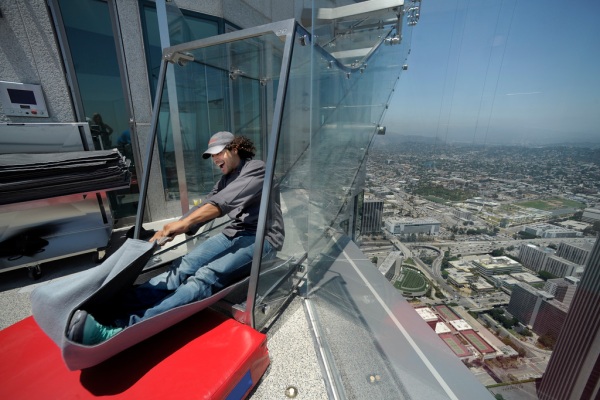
x: 169, y: 231
x: 205, y: 213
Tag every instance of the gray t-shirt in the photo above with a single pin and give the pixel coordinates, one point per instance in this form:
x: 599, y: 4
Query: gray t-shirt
x: 238, y: 195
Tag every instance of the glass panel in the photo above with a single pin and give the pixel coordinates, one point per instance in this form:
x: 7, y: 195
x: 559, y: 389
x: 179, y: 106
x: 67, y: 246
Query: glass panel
x: 332, y: 110
x: 88, y: 28
x: 201, y: 107
x: 196, y: 27
x: 277, y: 278
x: 330, y: 115
x: 207, y: 102
x: 350, y: 104
x: 223, y: 88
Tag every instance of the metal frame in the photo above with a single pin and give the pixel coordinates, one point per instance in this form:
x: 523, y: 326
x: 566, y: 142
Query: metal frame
x: 149, y: 151
x: 355, y: 10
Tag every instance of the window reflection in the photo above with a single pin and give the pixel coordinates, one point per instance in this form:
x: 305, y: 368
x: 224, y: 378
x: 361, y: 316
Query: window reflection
x: 91, y: 42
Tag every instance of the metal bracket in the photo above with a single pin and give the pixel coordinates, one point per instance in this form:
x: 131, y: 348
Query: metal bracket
x: 179, y: 58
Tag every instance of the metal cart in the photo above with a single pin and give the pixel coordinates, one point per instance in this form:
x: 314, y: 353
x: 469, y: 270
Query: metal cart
x: 39, y: 231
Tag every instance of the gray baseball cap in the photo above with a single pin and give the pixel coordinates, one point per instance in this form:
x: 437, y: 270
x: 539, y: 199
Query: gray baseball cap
x: 217, y: 143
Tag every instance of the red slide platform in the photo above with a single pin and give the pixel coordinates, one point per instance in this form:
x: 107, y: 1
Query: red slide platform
x: 207, y: 356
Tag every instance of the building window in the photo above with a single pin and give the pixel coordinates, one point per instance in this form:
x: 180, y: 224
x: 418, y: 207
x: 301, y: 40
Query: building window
x: 93, y: 55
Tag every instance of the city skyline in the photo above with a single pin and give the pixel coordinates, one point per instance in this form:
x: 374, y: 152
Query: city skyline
x: 501, y: 72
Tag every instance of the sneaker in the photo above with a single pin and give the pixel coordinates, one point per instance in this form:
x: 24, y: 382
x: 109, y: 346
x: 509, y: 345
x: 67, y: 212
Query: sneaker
x: 86, y: 330
x: 76, y: 326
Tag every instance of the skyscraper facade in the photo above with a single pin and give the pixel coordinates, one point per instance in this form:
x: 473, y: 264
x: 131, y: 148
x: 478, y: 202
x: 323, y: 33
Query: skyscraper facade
x: 372, y: 216
x: 534, y: 257
x: 550, y: 318
x: 560, y: 267
x: 577, y: 254
x: 574, y: 368
x: 524, y: 303
x: 563, y: 289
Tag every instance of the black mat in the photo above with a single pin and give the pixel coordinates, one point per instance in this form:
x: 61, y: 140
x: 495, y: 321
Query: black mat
x: 26, y: 177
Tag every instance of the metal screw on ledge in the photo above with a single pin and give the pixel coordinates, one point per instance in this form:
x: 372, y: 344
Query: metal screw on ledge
x: 291, y: 392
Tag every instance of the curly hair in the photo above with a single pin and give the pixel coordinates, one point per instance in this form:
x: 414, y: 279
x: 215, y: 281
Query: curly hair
x: 244, y: 146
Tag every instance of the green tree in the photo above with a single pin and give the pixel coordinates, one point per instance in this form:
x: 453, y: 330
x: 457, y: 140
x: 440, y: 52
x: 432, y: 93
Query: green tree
x: 526, y: 235
x: 497, y: 252
x: 545, y: 275
x: 547, y: 340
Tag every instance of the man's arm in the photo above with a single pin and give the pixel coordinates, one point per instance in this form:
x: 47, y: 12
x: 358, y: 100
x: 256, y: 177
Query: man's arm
x: 203, y: 214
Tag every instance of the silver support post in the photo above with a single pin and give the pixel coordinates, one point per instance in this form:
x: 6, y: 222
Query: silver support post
x: 149, y: 151
x: 165, y: 42
x: 265, y: 201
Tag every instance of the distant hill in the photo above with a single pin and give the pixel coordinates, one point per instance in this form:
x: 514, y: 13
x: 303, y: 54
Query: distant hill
x: 393, y: 139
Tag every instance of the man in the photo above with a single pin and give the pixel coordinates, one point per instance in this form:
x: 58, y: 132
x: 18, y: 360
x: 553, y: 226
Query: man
x: 219, y: 260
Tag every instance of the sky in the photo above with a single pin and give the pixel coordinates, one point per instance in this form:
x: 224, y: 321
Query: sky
x: 502, y: 72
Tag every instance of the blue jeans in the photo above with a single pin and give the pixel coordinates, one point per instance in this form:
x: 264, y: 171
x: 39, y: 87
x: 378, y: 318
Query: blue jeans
x: 216, y: 263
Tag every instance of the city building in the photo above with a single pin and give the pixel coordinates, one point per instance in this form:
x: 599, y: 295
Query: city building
x: 372, y: 218
x: 576, y: 253
x: 504, y: 281
x: 462, y: 214
x: 480, y: 285
x: 539, y: 309
x: 458, y: 334
x: 459, y: 278
x: 527, y: 278
x: 407, y: 226
x: 575, y: 225
x: 563, y: 289
x: 551, y: 231
x: 497, y: 266
x: 534, y: 257
x: 591, y: 215
x: 391, y: 265
x: 560, y: 267
x: 525, y: 302
x: 550, y: 318
x: 482, y: 202
x: 573, y: 370
x: 428, y: 316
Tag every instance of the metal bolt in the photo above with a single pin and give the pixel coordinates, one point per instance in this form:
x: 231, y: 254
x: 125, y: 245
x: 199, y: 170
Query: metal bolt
x: 291, y: 392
